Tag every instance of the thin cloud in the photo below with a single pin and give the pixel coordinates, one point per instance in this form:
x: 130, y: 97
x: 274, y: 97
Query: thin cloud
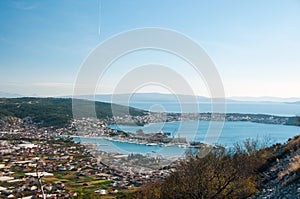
x: 54, y: 84
x: 25, y: 6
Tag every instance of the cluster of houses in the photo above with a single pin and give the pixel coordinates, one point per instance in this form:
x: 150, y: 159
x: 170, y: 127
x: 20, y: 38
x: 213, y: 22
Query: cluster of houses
x: 33, y: 165
x: 156, y: 117
x: 22, y: 165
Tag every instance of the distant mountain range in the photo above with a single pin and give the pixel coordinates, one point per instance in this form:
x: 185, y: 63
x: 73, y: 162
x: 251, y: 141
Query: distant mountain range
x: 172, y: 98
x: 9, y: 95
x: 265, y: 99
x: 146, y: 97
x: 298, y: 102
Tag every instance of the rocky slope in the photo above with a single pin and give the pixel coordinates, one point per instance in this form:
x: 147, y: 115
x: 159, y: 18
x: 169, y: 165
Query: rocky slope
x: 281, y: 174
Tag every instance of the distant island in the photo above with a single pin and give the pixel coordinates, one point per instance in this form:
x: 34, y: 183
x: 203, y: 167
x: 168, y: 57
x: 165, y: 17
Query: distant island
x: 298, y: 102
x: 173, y: 98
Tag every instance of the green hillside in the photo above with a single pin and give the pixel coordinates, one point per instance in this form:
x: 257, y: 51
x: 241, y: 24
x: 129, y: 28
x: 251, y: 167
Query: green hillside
x: 57, y: 111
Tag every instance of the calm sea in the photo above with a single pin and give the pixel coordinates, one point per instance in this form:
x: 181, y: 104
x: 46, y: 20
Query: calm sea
x: 272, y: 108
x: 233, y: 132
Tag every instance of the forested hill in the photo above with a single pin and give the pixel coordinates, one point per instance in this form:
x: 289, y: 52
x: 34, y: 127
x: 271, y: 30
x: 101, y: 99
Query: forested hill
x: 55, y: 111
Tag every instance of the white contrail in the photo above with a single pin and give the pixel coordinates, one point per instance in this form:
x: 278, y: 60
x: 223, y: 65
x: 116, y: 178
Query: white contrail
x: 99, y: 19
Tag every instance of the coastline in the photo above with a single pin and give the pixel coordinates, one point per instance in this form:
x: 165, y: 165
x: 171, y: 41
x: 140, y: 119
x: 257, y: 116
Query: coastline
x: 125, y: 147
x: 153, y: 118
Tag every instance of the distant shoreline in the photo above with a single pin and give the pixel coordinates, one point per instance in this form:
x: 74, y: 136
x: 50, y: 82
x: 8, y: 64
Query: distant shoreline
x: 174, y: 117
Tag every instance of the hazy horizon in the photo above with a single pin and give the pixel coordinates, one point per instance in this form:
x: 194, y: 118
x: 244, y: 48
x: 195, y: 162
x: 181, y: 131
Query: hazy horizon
x: 236, y: 98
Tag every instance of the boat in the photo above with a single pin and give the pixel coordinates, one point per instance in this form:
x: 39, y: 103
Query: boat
x: 183, y: 145
x: 168, y: 144
x: 151, y: 144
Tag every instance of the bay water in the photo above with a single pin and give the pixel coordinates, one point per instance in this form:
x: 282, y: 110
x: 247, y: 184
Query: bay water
x: 232, y: 132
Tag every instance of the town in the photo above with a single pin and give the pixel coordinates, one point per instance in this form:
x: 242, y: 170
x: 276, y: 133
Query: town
x: 42, y: 165
x: 45, y: 162
x: 155, y: 117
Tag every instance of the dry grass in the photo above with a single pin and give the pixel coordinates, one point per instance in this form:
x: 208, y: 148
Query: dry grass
x: 294, y: 166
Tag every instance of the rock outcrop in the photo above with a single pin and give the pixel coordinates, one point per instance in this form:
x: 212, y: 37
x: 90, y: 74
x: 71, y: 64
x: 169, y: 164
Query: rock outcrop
x: 281, y: 176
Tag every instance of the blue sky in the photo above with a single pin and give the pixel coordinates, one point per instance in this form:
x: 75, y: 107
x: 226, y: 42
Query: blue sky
x: 254, y: 44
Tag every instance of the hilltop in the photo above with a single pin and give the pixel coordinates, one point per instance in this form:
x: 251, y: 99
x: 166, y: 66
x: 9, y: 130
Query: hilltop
x: 56, y: 112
